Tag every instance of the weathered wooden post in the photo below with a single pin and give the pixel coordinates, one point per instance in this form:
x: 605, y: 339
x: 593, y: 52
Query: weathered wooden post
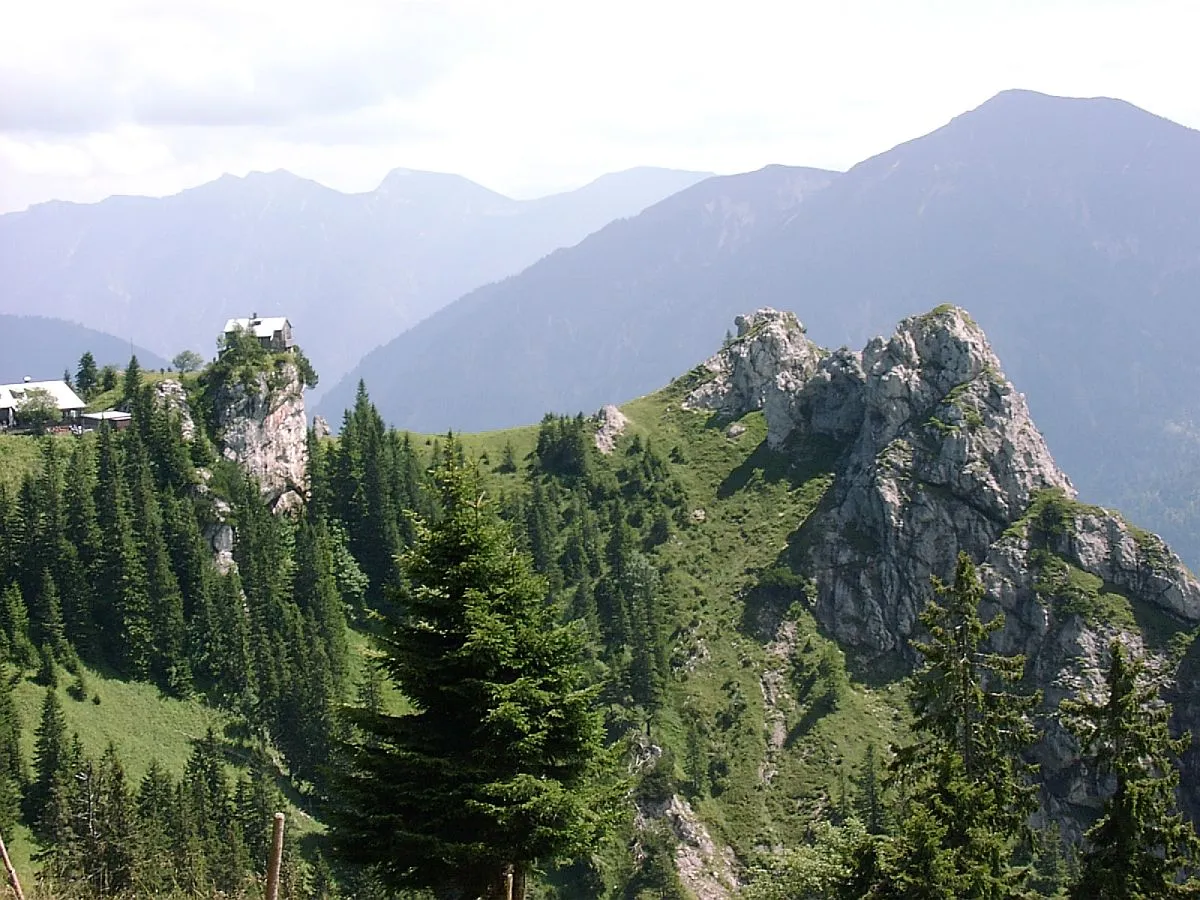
x: 276, y: 860
x: 12, y: 873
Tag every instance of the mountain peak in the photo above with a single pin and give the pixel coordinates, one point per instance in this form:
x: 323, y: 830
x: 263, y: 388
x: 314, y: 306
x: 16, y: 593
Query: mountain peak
x: 415, y: 184
x: 1059, y: 116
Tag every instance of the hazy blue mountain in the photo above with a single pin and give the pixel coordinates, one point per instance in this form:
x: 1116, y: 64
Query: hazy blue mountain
x: 349, y: 270
x: 42, y: 348
x: 1069, y: 227
x: 610, y: 318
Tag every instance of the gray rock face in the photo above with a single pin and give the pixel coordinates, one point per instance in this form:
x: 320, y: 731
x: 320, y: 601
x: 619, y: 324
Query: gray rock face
x: 612, y: 426
x: 934, y: 452
x: 262, y: 427
x: 217, y: 531
x: 767, y: 363
x: 945, y: 458
x: 170, y: 395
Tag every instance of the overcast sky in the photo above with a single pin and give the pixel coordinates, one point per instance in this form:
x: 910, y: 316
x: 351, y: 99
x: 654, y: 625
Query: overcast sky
x: 151, y: 96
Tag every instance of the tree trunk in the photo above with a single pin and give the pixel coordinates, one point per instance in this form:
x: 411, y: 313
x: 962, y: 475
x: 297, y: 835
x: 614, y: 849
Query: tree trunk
x: 509, y: 885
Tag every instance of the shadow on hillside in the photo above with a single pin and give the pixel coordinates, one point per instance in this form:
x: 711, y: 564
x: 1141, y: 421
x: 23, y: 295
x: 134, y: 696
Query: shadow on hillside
x: 239, y: 748
x: 763, y: 462
x: 795, y: 463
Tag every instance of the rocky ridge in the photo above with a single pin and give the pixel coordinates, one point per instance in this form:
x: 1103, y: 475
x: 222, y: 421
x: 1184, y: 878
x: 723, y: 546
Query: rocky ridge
x: 934, y: 451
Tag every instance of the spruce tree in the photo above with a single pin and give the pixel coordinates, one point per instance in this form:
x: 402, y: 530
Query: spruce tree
x: 87, y: 378
x: 122, y: 591
x: 156, y: 830
x: 170, y: 665
x: 131, y: 382
x: 315, y: 592
x: 1141, y: 847
x: 206, y: 793
x: 79, y: 561
x: 967, y: 790
x: 502, y: 763
x: 53, y: 764
x: 649, y: 668
x: 48, y: 629
x: 508, y: 459
x: 9, y: 532
x: 870, y: 801
x: 229, y: 659
x: 112, y: 852
x: 541, y: 528
x: 14, y: 617
x: 12, y: 766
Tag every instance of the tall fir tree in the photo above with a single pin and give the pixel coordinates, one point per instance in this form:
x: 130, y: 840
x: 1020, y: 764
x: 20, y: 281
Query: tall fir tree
x: 54, y: 760
x: 968, y: 793
x: 1141, y: 847
x: 871, y: 808
x: 502, y: 763
x: 87, y: 377
x: 170, y: 666
x: 122, y: 591
x: 79, y: 562
x: 131, y: 382
x: 315, y: 592
x: 111, y: 849
x: 12, y: 763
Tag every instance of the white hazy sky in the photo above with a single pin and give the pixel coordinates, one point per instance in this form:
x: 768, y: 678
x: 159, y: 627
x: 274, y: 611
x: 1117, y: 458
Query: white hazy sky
x: 151, y: 96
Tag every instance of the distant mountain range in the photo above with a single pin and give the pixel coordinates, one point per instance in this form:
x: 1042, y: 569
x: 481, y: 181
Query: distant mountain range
x: 349, y: 270
x: 1070, y: 228
x: 44, y: 348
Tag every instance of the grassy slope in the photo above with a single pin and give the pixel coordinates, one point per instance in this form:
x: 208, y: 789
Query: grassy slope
x: 752, y: 501
x: 109, y: 399
x: 137, y: 718
x: 19, y: 454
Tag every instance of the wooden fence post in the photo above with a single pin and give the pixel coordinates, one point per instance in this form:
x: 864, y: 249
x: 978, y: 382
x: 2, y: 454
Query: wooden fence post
x: 12, y: 873
x: 276, y: 860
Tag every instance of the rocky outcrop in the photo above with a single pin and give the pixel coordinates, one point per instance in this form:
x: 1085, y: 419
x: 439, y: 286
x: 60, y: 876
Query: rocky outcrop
x: 170, y: 395
x: 707, y: 869
x: 768, y: 361
x: 612, y: 426
x: 262, y: 426
x: 934, y: 452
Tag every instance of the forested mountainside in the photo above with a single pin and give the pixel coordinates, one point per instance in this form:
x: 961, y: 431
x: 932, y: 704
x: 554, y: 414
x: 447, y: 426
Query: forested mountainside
x: 350, y: 270
x: 1067, y: 226
x: 743, y: 559
x: 42, y: 348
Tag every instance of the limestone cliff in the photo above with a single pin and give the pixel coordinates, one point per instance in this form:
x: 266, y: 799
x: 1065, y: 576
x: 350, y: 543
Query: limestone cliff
x: 261, y: 425
x: 933, y: 451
